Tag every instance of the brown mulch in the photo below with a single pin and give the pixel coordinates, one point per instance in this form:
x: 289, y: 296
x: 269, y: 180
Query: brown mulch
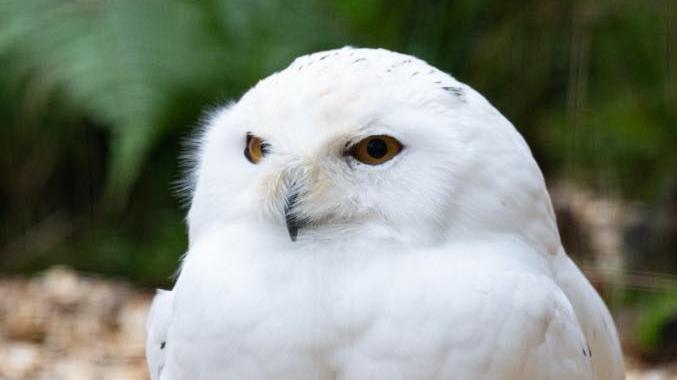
x: 62, y: 325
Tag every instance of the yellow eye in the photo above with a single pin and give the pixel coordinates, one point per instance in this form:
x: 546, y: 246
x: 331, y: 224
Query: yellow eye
x: 375, y: 150
x: 255, y: 149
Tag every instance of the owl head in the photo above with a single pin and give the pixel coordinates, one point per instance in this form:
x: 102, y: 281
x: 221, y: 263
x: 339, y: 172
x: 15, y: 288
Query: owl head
x: 354, y: 144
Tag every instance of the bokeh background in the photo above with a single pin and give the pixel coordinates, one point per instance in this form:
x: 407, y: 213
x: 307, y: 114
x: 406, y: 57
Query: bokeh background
x: 98, y: 98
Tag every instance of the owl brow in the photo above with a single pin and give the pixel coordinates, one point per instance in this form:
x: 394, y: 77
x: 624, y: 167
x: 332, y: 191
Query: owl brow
x: 251, y: 136
x: 362, y: 132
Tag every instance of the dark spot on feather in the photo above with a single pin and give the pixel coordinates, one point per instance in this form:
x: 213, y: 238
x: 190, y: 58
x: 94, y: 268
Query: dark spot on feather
x: 162, y: 345
x: 589, y: 350
x: 414, y: 74
x: 323, y: 57
x: 437, y: 82
x: 406, y: 61
x: 457, y: 91
x: 431, y: 71
x: 359, y: 59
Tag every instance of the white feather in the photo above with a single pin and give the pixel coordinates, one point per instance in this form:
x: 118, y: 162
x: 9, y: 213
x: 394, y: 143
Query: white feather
x: 442, y: 263
x: 159, y: 319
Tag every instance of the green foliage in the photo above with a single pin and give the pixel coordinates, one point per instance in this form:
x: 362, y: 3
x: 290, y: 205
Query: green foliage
x: 96, y: 96
x: 657, y: 311
x: 620, y: 128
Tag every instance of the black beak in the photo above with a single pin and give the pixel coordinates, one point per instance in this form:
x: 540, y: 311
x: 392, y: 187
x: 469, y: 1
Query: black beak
x: 293, y: 224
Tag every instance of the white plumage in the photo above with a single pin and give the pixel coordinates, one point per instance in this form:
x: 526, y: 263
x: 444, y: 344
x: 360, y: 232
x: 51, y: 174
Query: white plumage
x: 443, y: 262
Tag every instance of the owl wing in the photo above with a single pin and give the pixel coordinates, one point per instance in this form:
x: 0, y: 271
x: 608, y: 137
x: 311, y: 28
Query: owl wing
x: 159, y: 318
x: 551, y: 328
x: 522, y: 327
x: 593, y: 317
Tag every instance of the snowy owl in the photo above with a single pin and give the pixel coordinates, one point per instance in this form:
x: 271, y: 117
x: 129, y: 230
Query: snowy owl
x: 364, y: 215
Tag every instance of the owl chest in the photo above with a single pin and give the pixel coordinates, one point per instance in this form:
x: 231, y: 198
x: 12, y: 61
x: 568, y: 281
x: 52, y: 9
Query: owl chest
x: 290, y: 316
x: 316, y: 303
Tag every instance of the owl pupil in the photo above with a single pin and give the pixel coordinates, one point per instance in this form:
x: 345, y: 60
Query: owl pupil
x: 377, y: 148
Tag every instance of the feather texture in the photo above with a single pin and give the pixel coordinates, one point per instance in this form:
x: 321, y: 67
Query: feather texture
x: 441, y: 263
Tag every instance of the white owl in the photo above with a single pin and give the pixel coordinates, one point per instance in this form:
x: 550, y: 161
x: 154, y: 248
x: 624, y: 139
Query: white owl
x: 363, y: 215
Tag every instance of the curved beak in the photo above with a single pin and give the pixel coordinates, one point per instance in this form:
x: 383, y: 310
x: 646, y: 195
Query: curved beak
x: 293, y: 223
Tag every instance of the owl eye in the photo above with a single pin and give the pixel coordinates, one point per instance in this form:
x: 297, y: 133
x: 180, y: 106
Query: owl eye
x: 375, y: 150
x: 255, y: 149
